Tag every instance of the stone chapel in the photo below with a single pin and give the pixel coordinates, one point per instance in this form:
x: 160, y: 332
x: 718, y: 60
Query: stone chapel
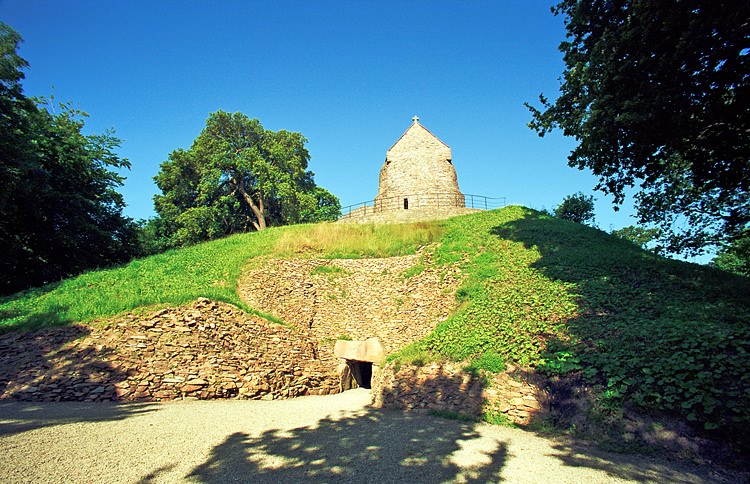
x: 418, y: 173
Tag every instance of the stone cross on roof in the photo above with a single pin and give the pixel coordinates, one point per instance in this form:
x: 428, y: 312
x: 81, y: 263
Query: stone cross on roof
x: 415, y: 119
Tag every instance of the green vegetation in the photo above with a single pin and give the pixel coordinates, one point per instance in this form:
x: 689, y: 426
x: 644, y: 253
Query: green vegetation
x: 236, y: 176
x: 342, y: 241
x: 539, y: 291
x: 210, y: 269
x: 60, y: 212
x: 577, y: 208
x: 655, y: 96
x: 654, y: 332
x: 497, y: 418
x: 329, y: 271
x: 735, y: 257
x: 413, y: 271
x: 489, y: 361
x: 174, y: 277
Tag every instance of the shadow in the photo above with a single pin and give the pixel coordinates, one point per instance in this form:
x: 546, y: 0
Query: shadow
x: 47, y: 365
x: 659, y: 334
x: 29, y: 321
x: 432, y: 388
x: 155, y: 475
x: 19, y: 417
x: 371, y: 446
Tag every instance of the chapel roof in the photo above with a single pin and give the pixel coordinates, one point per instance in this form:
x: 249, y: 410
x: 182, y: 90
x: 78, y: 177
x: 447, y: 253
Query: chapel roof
x: 415, y: 125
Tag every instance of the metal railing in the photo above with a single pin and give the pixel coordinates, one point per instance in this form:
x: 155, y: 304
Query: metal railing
x: 422, y: 200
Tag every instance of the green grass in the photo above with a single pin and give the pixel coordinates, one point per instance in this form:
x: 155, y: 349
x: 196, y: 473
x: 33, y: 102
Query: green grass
x: 329, y: 271
x: 340, y: 241
x: 210, y: 269
x: 660, y: 334
x: 176, y: 277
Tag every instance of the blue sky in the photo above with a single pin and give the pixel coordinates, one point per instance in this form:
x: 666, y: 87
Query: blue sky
x: 348, y: 75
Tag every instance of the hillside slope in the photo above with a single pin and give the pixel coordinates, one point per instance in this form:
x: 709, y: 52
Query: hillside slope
x: 546, y: 294
x: 564, y: 298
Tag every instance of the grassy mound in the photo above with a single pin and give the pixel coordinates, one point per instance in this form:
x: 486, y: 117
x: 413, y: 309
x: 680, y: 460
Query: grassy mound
x: 541, y: 292
x: 561, y: 297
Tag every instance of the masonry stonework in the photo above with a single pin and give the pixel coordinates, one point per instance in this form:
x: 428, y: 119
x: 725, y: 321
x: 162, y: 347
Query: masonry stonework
x: 418, y: 173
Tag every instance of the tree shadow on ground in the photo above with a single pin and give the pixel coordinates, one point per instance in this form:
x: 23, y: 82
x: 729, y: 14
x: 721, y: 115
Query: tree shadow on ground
x: 371, y: 446
x: 19, y: 417
x: 47, y: 366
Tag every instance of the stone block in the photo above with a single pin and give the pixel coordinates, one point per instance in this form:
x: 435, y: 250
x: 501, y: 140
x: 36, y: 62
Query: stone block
x: 369, y: 350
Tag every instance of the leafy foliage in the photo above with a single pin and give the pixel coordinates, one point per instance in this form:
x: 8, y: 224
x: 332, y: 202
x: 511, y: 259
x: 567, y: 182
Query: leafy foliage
x: 656, y: 93
x: 489, y: 361
x: 60, y: 213
x: 735, y: 257
x: 577, y: 208
x: 640, y: 236
x: 236, y: 177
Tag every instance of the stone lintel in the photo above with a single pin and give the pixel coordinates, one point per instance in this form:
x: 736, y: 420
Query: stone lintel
x: 369, y: 350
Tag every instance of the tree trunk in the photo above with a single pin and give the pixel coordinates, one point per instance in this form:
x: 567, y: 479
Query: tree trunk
x: 257, y: 209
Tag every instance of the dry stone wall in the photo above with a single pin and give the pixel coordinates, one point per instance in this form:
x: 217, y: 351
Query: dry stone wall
x: 448, y: 387
x: 204, y: 350
x: 355, y: 298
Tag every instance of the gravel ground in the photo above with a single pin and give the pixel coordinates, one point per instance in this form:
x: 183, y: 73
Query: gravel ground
x: 334, y: 438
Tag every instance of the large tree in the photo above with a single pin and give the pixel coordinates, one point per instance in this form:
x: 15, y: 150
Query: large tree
x: 237, y: 176
x: 60, y: 213
x: 656, y: 94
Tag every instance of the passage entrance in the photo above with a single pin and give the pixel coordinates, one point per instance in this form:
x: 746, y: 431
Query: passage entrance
x: 362, y: 373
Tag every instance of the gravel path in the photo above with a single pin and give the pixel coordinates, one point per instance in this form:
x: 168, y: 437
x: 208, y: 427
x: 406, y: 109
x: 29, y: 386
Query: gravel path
x: 334, y: 438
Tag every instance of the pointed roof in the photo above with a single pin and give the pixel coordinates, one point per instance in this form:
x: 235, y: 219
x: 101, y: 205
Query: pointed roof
x: 416, y: 125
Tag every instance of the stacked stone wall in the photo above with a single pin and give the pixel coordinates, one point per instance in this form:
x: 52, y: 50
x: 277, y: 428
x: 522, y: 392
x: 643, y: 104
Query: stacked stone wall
x: 355, y: 298
x: 448, y: 387
x: 205, y: 350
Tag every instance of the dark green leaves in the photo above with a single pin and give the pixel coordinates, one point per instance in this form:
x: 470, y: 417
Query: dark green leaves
x: 237, y: 176
x: 60, y: 212
x: 577, y: 208
x: 656, y: 94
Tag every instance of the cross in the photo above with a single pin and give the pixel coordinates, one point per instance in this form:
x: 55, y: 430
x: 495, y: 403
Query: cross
x: 415, y: 119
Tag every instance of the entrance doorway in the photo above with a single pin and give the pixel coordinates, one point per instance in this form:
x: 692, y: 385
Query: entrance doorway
x: 362, y: 373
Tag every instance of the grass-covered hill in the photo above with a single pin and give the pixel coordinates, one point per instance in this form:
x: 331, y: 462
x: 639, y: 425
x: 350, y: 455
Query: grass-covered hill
x: 541, y: 292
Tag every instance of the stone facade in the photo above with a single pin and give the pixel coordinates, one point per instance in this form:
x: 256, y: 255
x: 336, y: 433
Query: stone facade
x: 205, y: 350
x: 355, y: 298
x: 448, y: 387
x: 418, y: 173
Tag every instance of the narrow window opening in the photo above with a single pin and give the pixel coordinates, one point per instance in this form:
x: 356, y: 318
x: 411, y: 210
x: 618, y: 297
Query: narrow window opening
x: 406, y: 204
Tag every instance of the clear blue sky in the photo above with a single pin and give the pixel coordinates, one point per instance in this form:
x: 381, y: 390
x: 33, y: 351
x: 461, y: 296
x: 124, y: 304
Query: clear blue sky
x: 348, y: 75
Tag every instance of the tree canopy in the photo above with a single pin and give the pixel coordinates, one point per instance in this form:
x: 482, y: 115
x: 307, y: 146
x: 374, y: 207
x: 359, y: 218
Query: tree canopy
x: 640, y: 236
x: 60, y: 213
x: 656, y: 95
x: 735, y: 257
x: 237, y: 176
x: 577, y: 208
